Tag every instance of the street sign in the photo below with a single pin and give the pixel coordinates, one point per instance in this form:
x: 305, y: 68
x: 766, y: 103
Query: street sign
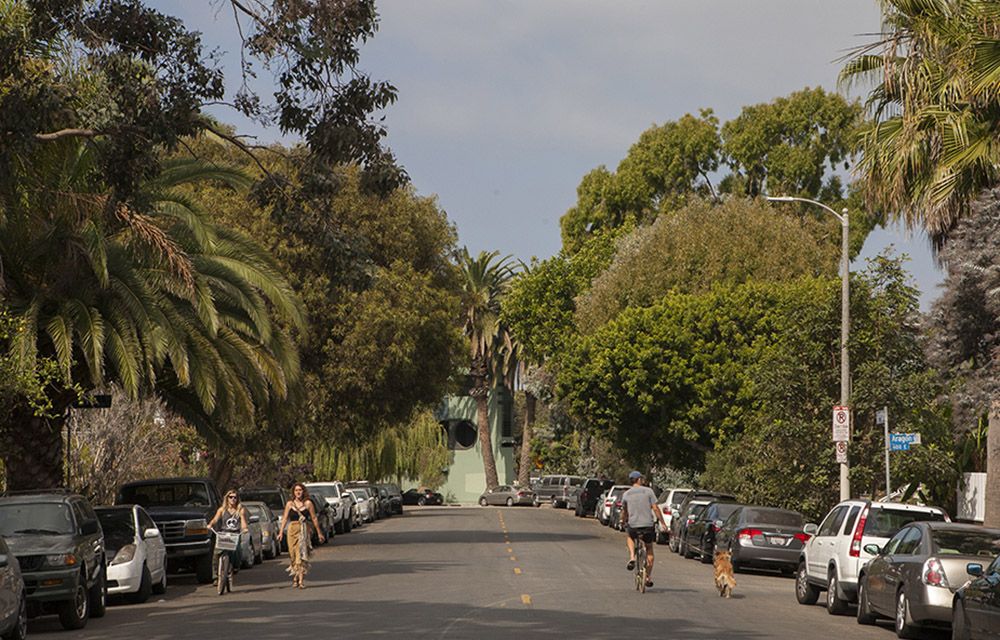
x: 903, y: 441
x: 880, y: 417
x: 841, y: 448
x: 841, y: 424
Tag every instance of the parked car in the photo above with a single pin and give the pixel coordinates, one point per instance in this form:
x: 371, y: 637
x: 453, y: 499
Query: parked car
x: 763, y: 537
x: 679, y: 526
x: 351, y: 504
x: 669, y: 501
x: 57, y: 540
x: 976, y: 608
x: 699, y: 539
x: 384, y: 501
x: 324, y: 516
x: 366, y: 503
x: 554, y: 488
x: 268, y: 522
x: 373, y: 493
x: 840, y: 547
x: 508, y: 495
x: 274, y: 497
x: 613, y: 494
x: 253, y: 547
x: 583, y: 499
x: 395, y: 498
x: 138, y: 558
x: 13, y: 597
x: 913, y: 578
x: 332, y: 492
x: 422, y: 497
x: 181, y: 509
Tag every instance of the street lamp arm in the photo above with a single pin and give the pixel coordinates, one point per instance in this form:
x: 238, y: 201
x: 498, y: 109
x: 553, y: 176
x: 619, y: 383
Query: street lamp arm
x: 838, y: 216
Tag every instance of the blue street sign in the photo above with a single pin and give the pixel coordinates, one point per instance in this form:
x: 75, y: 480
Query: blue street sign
x: 899, y: 446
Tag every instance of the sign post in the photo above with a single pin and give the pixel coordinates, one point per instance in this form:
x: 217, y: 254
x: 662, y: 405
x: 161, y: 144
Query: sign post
x: 841, y: 432
x: 882, y: 417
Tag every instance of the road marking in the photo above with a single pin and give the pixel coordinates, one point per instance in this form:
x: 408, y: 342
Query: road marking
x: 526, y: 599
x: 510, y: 550
x: 513, y: 558
x: 517, y: 571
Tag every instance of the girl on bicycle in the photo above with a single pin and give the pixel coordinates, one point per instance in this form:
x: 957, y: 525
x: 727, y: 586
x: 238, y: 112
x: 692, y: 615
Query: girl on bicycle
x: 299, y: 513
x: 232, y: 517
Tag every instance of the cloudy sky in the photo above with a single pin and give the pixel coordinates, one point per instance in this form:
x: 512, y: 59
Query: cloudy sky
x: 505, y: 104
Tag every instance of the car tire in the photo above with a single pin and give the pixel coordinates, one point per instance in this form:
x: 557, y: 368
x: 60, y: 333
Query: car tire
x: 98, y: 594
x: 482, y: 502
x: 348, y: 525
x: 339, y: 527
x: 706, y: 556
x: 805, y: 593
x: 20, y: 629
x: 904, y: 623
x: 259, y: 558
x: 661, y: 538
x: 686, y: 549
x: 421, y: 501
x: 672, y: 543
x: 865, y: 614
x: 73, y: 613
x: 578, y: 512
x: 161, y: 587
x: 203, y: 569
x: 835, y: 605
x: 145, y: 587
x: 959, y: 624
x: 510, y: 502
x: 247, y: 561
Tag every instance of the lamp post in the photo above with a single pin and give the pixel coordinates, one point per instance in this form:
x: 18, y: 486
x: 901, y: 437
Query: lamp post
x: 845, y: 320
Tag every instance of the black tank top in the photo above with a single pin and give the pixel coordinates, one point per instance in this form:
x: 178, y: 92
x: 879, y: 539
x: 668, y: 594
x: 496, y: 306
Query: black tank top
x: 230, y: 521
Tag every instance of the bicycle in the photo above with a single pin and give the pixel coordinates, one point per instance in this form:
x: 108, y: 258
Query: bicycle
x: 226, y: 542
x: 640, y: 564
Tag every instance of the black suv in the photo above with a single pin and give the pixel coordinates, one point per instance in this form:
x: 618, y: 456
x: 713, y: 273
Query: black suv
x: 583, y: 499
x: 59, y: 545
x: 181, y: 508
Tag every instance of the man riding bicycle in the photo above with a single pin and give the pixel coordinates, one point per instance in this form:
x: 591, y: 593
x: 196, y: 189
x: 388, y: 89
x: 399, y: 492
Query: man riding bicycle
x: 639, y: 513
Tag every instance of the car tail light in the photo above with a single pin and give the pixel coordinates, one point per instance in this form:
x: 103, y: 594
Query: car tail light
x: 521, y: 494
x: 746, y: 536
x: 618, y: 503
x: 933, y: 573
x: 802, y: 537
x: 666, y: 511
x: 859, y: 530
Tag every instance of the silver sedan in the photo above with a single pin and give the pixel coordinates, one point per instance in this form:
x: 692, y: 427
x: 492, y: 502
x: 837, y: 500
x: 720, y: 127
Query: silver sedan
x: 507, y: 495
x: 914, y: 577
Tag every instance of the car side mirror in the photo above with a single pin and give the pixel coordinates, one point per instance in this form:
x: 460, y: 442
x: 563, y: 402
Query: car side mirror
x: 254, y: 519
x: 873, y: 549
x: 810, y: 529
x: 152, y: 532
x: 974, y: 569
x: 3, y: 561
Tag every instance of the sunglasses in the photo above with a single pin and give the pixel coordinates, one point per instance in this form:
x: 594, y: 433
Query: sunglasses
x: 231, y: 497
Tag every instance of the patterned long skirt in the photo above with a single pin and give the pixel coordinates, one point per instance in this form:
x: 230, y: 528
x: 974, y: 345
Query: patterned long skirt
x: 299, y: 548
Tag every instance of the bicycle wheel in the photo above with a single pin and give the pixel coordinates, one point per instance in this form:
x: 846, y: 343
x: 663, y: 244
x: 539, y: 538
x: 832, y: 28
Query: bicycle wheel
x: 223, y: 572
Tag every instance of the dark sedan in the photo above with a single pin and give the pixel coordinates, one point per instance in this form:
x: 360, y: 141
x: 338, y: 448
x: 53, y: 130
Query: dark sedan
x: 422, y: 497
x: 976, y: 611
x: 763, y: 537
x: 699, y: 539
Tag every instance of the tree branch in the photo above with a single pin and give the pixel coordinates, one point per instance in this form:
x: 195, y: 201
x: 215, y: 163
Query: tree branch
x: 68, y: 133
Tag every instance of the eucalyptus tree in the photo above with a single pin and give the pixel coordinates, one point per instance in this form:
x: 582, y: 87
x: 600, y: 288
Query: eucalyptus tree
x: 934, y: 144
x: 146, y: 292
x: 484, y: 280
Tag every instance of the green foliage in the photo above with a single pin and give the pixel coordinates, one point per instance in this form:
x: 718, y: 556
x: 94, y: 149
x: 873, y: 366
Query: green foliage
x: 703, y: 245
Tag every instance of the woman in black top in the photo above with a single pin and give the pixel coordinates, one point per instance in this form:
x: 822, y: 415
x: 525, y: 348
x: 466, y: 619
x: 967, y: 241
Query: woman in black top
x: 299, y: 512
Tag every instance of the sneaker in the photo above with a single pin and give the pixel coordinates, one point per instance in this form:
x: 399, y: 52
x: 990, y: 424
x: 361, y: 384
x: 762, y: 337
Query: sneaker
x: 631, y: 565
x: 649, y: 583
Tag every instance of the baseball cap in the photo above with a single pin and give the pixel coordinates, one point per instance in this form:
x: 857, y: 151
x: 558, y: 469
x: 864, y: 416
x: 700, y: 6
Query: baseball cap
x: 634, y: 475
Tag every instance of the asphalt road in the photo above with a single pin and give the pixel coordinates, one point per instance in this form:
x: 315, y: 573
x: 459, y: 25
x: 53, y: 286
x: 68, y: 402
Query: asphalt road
x: 451, y: 572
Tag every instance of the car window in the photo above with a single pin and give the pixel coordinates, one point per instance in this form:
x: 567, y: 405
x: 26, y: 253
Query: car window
x: 271, y: 498
x: 832, y: 522
x: 678, y: 497
x: 884, y: 522
x: 697, y: 509
x: 851, y: 518
x: 145, y: 521
x: 890, y: 547
x: 779, y: 517
x: 733, y: 518
x: 52, y: 518
x: 908, y: 543
x: 576, y: 482
x: 169, y: 494
x: 995, y: 567
x: 966, y: 543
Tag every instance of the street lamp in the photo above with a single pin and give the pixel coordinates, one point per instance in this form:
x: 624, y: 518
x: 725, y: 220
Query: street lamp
x: 845, y: 320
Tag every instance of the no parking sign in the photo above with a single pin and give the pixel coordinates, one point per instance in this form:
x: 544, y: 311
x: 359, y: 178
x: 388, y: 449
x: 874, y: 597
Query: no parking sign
x: 841, y: 424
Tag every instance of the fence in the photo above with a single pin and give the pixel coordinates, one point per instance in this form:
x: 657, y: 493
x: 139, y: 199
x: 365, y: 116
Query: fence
x: 972, y: 497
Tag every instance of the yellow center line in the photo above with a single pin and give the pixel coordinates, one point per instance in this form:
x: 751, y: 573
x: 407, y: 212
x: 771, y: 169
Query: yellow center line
x: 510, y: 550
x: 526, y: 599
x: 517, y: 571
x: 513, y: 558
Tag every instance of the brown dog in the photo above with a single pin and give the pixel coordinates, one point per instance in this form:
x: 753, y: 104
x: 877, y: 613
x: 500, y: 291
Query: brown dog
x: 724, y: 579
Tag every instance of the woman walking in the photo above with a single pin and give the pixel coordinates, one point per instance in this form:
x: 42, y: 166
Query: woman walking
x: 299, y: 513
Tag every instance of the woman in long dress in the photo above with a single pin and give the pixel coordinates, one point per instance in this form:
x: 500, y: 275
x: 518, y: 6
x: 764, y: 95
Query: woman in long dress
x: 299, y: 514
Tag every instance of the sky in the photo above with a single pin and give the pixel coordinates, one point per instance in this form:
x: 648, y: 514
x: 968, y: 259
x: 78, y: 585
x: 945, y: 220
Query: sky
x: 504, y: 105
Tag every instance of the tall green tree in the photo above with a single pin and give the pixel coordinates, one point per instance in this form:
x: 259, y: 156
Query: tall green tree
x: 934, y: 144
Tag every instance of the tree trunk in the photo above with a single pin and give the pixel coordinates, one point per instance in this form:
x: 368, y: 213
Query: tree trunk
x: 992, y: 516
x: 485, y: 441
x: 524, y: 471
x: 220, y: 467
x: 33, y: 451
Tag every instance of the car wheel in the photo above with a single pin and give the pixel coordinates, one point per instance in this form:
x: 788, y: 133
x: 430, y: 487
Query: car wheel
x: 904, y: 623
x: 99, y: 594
x: 20, y: 630
x: 339, y: 527
x: 161, y: 587
x: 421, y: 501
x: 672, y: 543
x: 706, y: 555
x: 246, y: 560
x: 203, y: 569
x: 552, y: 501
x: 259, y: 558
x: 686, y: 549
x: 73, y: 613
x: 347, y: 525
x: 482, y: 502
x: 865, y: 614
x: 835, y: 605
x: 145, y: 587
x: 578, y: 511
x: 510, y: 502
x: 805, y: 593
x: 959, y: 625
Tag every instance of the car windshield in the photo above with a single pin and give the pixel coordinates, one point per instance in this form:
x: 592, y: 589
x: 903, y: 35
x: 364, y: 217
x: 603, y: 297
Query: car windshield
x: 617, y: 492
x: 52, y: 519
x: 326, y: 492
x: 118, y: 526
x: 966, y: 543
x: 884, y: 523
x: 173, y: 494
x: 270, y: 497
x: 696, y: 509
x: 777, y: 517
x: 724, y: 510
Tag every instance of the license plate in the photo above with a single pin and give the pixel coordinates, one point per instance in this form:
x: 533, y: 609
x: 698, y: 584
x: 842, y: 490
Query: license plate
x: 778, y: 540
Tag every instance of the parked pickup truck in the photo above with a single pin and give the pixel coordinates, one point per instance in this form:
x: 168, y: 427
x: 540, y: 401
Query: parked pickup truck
x: 181, y: 508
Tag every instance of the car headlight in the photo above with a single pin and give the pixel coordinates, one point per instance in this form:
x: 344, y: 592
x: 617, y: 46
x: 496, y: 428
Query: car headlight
x: 196, y: 527
x: 60, y: 560
x: 125, y: 554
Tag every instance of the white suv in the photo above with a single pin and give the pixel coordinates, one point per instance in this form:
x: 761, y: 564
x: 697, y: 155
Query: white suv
x: 332, y: 492
x: 831, y: 559
x: 668, y: 502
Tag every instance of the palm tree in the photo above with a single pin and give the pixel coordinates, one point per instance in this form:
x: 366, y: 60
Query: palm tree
x: 934, y: 144
x: 484, y: 280
x: 147, y: 293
